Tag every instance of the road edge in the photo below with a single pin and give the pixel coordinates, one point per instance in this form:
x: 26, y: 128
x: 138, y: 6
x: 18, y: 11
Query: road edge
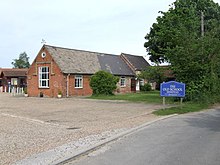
x: 106, y: 141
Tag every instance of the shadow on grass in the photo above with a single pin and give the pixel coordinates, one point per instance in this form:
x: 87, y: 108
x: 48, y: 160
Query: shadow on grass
x: 185, y: 108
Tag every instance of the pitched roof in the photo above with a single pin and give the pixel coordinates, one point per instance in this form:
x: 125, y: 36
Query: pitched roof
x: 87, y: 62
x: 138, y: 63
x: 13, y: 72
x: 74, y: 61
x: 115, y: 65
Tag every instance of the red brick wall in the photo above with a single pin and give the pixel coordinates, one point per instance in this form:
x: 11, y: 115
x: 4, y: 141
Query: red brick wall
x: 57, y: 81
x: 86, y: 90
x: 127, y: 88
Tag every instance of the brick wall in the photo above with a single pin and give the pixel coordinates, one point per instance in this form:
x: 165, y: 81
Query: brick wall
x: 56, y: 78
x: 84, y: 91
x: 126, y: 88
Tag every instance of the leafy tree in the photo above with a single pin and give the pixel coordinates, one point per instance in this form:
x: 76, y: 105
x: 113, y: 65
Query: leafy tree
x: 153, y: 74
x: 183, y: 16
x: 22, y: 61
x: 176, y: 38
x: 103, y: 83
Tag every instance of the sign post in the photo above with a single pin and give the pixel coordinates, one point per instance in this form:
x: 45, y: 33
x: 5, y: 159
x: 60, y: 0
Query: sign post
x: 172, y: 89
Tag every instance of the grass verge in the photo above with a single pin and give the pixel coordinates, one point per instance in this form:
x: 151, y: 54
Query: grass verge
x: 146, y: 97
x: 155, y: 98
x: 186, y: 108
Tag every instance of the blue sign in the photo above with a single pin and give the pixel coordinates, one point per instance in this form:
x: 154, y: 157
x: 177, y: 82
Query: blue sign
x: 172, y: 89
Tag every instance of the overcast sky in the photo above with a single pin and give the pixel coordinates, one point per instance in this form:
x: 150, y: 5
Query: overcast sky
x: 107, y: 26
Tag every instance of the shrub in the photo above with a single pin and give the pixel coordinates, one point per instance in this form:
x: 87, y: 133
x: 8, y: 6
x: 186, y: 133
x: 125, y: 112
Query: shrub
x: 25, y: 90
x: 103, y: 83
x: 145, y: 87
x: 60, y: 92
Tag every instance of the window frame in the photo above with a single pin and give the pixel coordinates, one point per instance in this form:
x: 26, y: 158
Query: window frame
x: 141, y: 82
x: 41, y: 79
x: 78, y: 83
x: 122, y: 81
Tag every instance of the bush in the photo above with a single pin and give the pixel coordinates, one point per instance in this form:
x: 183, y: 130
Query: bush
x: 145, y: 87
x: 103, y: 83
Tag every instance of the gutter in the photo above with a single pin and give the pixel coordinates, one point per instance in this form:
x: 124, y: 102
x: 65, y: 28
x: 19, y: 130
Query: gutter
x: 67, y: 85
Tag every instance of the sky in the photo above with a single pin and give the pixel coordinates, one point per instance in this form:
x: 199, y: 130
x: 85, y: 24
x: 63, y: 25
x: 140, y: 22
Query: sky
x: 106, y: 26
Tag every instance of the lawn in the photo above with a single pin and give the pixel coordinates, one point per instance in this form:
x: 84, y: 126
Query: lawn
x: 186, y: 108
x: 154, y: 97
x: 146, y: 97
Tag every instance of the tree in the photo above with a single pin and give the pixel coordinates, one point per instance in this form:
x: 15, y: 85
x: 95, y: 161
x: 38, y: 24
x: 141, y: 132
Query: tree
x: 177, y: 39
x: 183, y: 16
x: 22, y: 61
x: 103, y: 83
x: 153, y: 74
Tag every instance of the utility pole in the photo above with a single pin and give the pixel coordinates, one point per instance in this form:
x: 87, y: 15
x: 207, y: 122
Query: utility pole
x: 202, y: 23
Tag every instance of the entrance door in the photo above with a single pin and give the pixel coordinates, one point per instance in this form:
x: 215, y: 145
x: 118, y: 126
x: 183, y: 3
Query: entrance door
x: 137, y: 85
x: 133, y: 85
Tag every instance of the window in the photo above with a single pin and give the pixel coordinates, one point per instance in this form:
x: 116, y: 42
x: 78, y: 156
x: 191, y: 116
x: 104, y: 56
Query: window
x: 44, y: 77
x: 122, y: 82
x: 14, y: 81
x: 78, y: 81
x: 141, y: 82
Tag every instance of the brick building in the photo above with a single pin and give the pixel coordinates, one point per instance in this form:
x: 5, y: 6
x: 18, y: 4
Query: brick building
x: 12, y: 78
x: 68, y: 70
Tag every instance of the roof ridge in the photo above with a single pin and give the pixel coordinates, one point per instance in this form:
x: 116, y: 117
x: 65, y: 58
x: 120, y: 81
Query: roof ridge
x: 99, y: 53
x: 132, y: 55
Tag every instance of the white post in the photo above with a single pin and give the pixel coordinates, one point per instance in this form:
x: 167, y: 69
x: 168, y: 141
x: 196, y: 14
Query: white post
x: 181, y: 102
x: 164, y: 102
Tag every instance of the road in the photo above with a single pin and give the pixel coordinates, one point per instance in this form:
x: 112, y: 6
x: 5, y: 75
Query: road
x: 191, y: 139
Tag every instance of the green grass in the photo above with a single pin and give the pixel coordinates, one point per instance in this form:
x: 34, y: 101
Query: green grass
x: 146, y: 97
x: 186, y: 108
x: 155, y: 98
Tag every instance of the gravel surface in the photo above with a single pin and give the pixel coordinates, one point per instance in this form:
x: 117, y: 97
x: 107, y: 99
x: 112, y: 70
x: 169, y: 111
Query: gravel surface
x: 30, y: 126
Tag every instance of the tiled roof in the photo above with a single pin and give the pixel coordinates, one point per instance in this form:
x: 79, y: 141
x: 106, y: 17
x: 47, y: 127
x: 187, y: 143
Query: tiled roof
x: 138, y: 63
x: 72, y: 61
x: 115, y: 65
x: 13, y: 72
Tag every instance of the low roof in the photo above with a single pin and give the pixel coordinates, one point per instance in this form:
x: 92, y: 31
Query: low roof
x: 115, y: 65
x: 138, y: 62
x: 13, y: 72
x: 72, y: 61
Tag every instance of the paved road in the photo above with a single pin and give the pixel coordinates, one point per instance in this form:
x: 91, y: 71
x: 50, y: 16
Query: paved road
x: 192, y: 139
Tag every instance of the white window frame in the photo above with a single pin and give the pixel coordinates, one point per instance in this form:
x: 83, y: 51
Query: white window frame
x: 44, y: 80
x: 141, y: 81
x: 78, y: 81
x: 122, y: 82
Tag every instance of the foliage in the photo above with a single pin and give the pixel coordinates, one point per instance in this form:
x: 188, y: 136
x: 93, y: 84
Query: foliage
x: 25, y: 90
x: 145, y: 87
x: 146, y: 97
x: 183, y: 15
x: 153, y: 74
x: 22, y: 61
x: 176, y: 38
x: 103, y: 83
x: 60, y: 92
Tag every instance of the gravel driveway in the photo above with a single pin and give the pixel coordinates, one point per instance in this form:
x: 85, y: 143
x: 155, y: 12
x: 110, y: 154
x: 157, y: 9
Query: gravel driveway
x: 33, y: 125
